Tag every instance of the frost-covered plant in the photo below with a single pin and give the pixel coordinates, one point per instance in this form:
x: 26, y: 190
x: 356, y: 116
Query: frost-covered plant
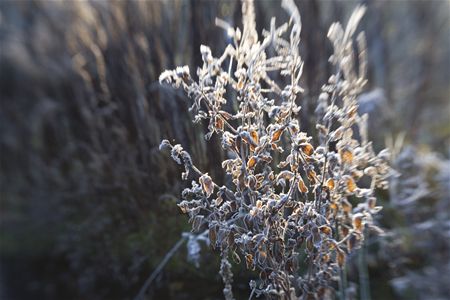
x: 274, y: 212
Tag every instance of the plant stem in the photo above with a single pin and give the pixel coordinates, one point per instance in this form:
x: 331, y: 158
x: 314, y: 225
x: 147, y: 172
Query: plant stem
x: 363, y: 271
x: 159, y: 268
x: 342, y: 283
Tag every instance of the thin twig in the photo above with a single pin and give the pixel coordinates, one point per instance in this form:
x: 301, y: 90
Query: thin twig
x: 362, y: 269
x: 159, y: 268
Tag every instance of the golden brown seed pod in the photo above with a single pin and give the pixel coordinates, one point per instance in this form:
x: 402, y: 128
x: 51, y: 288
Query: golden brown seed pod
x: 325, y: 229
x: 307, y: 148
x: 340, y: 258
x: 312, y: 177
x: 249, y: 260
x: 330, y: 184
x: 219, y: 124
x: 240, y: 84
x: 276, y: 135
x: 346, y: 155
x: 251, y: 162
x: 301, y: 186
x: 350, y: 184
x: 334, y: 206
x: 352, y: 111
x: 254, y: 136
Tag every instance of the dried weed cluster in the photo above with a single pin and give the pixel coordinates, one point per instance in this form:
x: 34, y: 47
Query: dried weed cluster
x: 293, y: 221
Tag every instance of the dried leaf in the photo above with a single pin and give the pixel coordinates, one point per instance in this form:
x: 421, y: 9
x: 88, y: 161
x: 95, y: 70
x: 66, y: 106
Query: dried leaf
x: 301, y: 186
x: 341, y: 258
x: 207, y: 184
x: 277, y: 135
x: 330, y: 184
x: 307, y: 148
x: 350, y: 183
x: 251, y: 162
x: 249, y: 260
x: 254, y: 136
x: 219, y: 124
x: 312, y: 177
x: 346, y: 156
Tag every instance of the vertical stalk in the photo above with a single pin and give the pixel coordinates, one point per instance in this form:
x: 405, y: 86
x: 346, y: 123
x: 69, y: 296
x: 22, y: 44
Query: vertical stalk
x: 342, y: 273
x: 342, y: 283
x: 363, y: 270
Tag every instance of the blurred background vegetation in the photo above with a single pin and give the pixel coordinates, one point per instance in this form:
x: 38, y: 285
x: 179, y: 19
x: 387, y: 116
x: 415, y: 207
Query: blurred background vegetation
x: 88, y: 203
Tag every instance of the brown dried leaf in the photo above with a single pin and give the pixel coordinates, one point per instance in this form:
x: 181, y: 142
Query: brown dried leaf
x: 307, y: 148
x: 254, y: 136
x: 325, y: 229
x: 219, y: 124
x: 207, y: 184
x: 277, y: 135
x: 351, y: 185
x: 251, y: 162
x: 249, y: 260
x: 340, y: 258
x: 330, y: 184
x: 312, y: 177
x: 346, y: 155
x: 301, y: 186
